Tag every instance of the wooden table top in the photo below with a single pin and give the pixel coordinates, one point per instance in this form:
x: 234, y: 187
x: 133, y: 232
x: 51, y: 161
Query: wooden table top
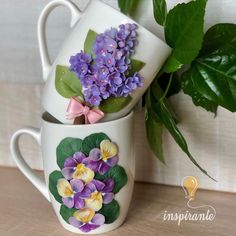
x: 25, y: 212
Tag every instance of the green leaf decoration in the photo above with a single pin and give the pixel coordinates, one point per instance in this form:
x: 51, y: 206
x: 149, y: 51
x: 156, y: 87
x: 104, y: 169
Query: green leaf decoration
x: 160, y: 109
x: 118, y: 174
x: 213, y: 73
x: 160, y: 11
x: 67, y: 83
x: 184, y: 32
x: 53, y: 178
x: 111, y: 211
x: 89, y: 41
x: 154, y: 130
x: 114, y: 104
x: 136, y: 66
x: 93, y: 141
x: 67, y: 148
x: 66, y: 212
x: 197, y: 98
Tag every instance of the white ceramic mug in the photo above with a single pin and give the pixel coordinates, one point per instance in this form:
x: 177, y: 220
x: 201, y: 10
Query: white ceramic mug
x: 97, y: 17
x: 89, y: 171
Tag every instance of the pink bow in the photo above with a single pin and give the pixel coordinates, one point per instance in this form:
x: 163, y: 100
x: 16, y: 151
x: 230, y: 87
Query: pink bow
x: 76, y: 108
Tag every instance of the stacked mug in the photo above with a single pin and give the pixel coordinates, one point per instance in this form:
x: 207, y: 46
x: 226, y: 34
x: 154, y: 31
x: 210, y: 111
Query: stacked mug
x: 105, y: 65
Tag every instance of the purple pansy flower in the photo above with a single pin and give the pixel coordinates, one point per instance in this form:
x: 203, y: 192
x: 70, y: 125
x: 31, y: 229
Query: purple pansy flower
x: 103, y: 159
x: 73, y: 193
x: 86, y: 220
x: 74, y: 168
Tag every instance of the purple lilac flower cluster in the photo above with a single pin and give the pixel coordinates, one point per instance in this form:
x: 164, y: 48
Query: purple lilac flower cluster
x: 107, y: 74
x: 82, y: 191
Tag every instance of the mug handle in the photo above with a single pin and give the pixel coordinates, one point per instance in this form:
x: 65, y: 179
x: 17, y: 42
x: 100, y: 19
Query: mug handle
x: 43, y: 49
x: 20, y: 162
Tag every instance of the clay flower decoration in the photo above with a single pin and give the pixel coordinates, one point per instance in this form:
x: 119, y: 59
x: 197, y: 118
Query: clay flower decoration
x: 88, y: 181
x: 103, y: 159
x: 105, y: 70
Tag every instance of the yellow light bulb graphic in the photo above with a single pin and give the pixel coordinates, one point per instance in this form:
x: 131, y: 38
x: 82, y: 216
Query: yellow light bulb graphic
x: 190, y: 185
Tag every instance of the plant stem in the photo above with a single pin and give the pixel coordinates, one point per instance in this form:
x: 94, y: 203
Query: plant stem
x: 167, y: 88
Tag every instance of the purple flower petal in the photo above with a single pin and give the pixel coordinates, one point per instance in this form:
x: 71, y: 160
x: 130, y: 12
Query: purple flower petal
x: 98, y: 184
x: 91, y: 186
x: 75, y: 222
x: 77, y: 185
x: 88, y: 227
x: 107, y: 198
x: 85, y: 193
x: 112, y: 161
x: 95, y: 154
x: 68, y: 201
x: 79, y: 156
x: 103, y: 168
x: 68, y: 172
x: 98, y: 219
x: 93, y: 165
x: 70, y: 162
x: 109, y: 185
x: 78, y: 202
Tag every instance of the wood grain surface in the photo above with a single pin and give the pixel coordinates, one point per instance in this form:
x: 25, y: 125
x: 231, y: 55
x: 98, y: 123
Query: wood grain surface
x: 25, y: 212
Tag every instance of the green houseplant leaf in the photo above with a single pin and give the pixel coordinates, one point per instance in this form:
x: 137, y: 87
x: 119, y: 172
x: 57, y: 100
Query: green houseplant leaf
x: 67, y: 148
x: 93, y: 141
x: 128, y: 6
x: 111, y: 211
x: 159, y: 107
x: 159, y: 11
x: 184, y: 33
x: 53, y: 178
x: 66, y: 82
x: 118, y: 174
x: 66, y: 212
x: 154, y: 130
x: 197, y: 98
x: 89, y: 41
x: 213, y: 73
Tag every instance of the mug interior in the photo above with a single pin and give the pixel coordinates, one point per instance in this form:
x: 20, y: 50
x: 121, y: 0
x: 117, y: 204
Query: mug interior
x: 48, y: 118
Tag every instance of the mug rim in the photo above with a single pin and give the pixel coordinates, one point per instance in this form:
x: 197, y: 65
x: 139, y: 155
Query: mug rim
x: 51, y: 123
x: 126, y: 17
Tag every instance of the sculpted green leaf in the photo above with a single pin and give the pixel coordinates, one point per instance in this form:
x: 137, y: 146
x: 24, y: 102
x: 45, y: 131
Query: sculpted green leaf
x: 111, y: 211
x: 89, y: 41
x: 114, y: 104
x: 53, y: 177
x: 160, y: 11
x: 67, y: 148
x: 184, y: 32
x: 93, y: 141
x: 136, y: 66
x: 118, y: 174
x: 66, y: 82
x: 66, y: 212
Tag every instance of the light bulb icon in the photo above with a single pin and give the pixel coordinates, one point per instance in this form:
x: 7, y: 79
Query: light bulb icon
x: 190, y: 185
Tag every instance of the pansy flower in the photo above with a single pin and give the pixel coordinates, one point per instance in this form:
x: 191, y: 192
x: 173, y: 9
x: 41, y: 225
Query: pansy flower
x: 75, y: 168
x: 102, y: 159
x: 100, y: 193
x: 86, y: 220
x: 73, y: 193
